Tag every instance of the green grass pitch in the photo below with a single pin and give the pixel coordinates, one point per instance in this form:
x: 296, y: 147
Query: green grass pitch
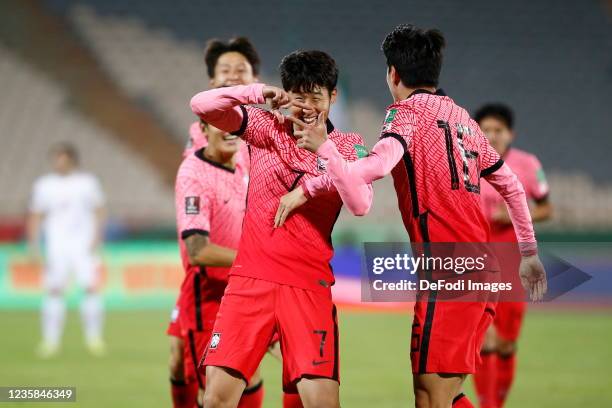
x: 565, y: 360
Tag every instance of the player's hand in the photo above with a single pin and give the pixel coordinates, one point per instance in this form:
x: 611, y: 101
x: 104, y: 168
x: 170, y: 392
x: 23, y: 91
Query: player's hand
x: 276, y: 99
x: 288, y: 203
x: 310, y: 137
x: 533, y: 277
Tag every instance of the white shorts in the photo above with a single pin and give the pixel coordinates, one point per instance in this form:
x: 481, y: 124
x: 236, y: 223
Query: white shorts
x: 63, y: 263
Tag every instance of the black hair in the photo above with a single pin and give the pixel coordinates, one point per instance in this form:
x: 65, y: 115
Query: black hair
x: 415, y: 53
x: 215, y: 48
x: 66, y: 148
x: 498, y: 111
x: 302, y: 71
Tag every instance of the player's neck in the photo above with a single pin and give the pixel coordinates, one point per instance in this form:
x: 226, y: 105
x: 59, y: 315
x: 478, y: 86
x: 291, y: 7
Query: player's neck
x: 403, y: 92
x: 224, y: 159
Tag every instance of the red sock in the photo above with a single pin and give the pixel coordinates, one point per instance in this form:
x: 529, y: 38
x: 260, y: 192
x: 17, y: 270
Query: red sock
x: 506, y: 365
x: 252, y: 397
x: 184, y: 394
x: 461, y: 401
x: 292, y: 401
x: 485, y: 380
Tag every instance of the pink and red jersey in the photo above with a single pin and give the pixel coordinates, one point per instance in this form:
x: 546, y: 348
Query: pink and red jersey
x: 529, y: 171
x: 299, y: 252
x: 210, y: 200
x: 438, y: 179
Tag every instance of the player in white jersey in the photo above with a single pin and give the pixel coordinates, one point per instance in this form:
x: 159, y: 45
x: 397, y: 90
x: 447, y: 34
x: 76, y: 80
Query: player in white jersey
x: 67, y: 207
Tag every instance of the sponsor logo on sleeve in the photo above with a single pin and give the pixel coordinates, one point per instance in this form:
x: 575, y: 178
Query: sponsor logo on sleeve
x: 389, y: 119
x: 192, y: 205
x: 361, y: 151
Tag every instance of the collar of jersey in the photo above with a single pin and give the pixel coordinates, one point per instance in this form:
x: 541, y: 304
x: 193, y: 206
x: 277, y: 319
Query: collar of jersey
x: 200, y: 155
x: 439, y: 92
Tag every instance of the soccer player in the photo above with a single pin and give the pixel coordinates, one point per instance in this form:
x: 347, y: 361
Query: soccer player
x: 235, y: 62
x: 436, y: 155
x: 281, y: 279
x: 495, y: 373
x: 68, y: 206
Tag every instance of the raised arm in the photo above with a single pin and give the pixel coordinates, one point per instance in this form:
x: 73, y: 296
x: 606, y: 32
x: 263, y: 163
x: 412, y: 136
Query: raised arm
x: 221, y: 107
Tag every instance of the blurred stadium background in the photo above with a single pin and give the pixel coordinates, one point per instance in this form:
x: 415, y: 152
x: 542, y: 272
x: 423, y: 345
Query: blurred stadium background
x: 114, y: 77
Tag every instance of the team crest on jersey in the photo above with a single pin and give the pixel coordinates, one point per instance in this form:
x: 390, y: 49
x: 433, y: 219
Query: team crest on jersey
x: 214, y: 340
x: 192, y: 205
x: 389, y: 119
x: 321, y: 165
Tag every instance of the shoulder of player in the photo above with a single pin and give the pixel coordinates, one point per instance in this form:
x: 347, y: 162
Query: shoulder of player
x: 346, y: 142
x: 524, y: 156
x: 257, y: 113
x: 44, y: 181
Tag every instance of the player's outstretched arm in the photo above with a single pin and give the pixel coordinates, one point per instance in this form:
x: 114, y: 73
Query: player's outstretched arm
x: 533, y: 276
x: 221, y: 107
x: 352, y: 180
x: 204, y: 253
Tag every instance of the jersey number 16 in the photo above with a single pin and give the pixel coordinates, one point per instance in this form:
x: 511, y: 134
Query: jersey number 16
x: 467, y: 156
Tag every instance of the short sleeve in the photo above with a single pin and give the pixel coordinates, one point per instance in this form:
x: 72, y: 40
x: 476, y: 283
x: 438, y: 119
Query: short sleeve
x: 256, y: 124
x: 38, y: 199
x: 193, y: 206
x: 488, y: 158
x: 399, y: 123
x: 536, y: 184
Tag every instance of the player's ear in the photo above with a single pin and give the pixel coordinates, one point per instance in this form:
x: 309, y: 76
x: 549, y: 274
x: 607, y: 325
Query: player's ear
x: 333, y: 95
x: 395, y: 78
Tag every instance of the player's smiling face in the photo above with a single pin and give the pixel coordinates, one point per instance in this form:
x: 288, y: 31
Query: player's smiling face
x: 221, y: 141
x: 232, y: 68
x: 320, y: 100
x: 498, y: 133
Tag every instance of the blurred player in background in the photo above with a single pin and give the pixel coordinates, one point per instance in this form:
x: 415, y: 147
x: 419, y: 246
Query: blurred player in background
x: 232, y: 63
x: 67, y: 205
x: 495, y: 374
x: 281, y: 279
x: 424, y: 144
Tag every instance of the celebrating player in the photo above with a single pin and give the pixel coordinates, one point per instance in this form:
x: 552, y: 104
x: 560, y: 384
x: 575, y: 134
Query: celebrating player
x: 281, y: 279
x: 228, y: 64
x: 495, y: 373
x: 70, y: 206
x: 436, y: 155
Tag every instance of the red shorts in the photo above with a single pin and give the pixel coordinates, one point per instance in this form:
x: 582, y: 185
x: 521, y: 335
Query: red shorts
x: 252, y: 310
x: 447, y: 336
x: 196, y: 338
x: 195, y: 344
x: 509, y: 319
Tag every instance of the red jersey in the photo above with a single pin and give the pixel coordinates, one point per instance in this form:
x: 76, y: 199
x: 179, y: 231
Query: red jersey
x: 210, y: 200
x: 438, y: 180
x: 298, y: 253
x: 529, y: 171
